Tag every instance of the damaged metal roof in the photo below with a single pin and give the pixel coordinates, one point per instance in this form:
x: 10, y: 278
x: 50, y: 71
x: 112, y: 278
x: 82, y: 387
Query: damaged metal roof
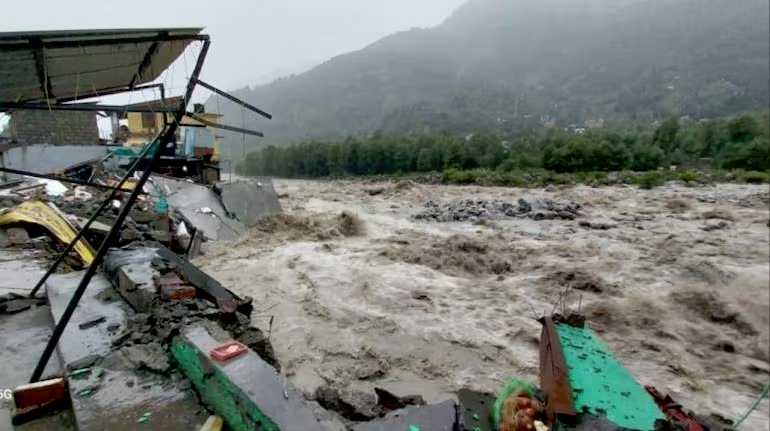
x: 61, y: 66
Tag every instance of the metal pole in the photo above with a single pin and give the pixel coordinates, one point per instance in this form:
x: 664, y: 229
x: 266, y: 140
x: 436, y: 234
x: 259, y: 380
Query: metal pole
x: 224, y: 126
x: 234, y: 99
x: 64, y: 179
x: 90, y: 221
x: 164, y: 140
x: 110, y: 91
x: 8, y: 106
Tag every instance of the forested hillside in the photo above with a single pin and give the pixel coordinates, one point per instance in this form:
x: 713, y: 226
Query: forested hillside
x: 741, y: 142
x: 510, y: 67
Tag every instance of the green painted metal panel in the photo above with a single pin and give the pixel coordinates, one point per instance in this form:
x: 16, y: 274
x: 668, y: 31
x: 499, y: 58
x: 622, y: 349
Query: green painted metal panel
x: 601, y: 385
x: 219, y: 393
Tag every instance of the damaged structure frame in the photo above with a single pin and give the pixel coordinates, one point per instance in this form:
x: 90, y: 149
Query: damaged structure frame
x: 53, y: 90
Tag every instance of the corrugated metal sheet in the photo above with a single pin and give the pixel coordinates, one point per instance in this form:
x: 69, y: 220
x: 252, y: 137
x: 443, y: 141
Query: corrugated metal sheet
x: 63, y: 65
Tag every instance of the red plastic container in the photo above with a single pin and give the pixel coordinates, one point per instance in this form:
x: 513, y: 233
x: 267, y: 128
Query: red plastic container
x: 228, y: 351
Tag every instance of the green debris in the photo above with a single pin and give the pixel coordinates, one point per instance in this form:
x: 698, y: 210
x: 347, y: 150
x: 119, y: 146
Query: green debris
x: 81, y: 373
x: 414, y: 428
x: 475, y: 416
x: 87, y: 392
x: 144, y: 417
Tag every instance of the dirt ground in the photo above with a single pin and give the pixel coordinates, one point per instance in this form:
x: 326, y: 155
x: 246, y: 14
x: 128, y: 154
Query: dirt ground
x: 362, y: 294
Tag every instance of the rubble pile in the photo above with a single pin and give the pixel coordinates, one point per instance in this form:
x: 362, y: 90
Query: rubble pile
x: 176, y: 213
x: 360, y: 406
x: 479, y: 209
x: 145, y: 340
x: 169, y: 294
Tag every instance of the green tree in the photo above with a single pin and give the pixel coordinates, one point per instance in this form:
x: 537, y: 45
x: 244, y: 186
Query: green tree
x: 424, y: 162
x: 666, y: 135
x: 744, y: 128
x: 646, y: 157
x: 754, y: 155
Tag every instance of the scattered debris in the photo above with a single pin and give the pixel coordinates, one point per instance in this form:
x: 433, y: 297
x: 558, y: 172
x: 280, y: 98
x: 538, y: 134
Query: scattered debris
x: 145, y: 417
x: 92, y: 323
x: 213, y: 423
x: 228, y: 351
x: 144, y: 276
x: 580, y: 280
x: 712, y: 225
x: 46, y: 215
x: 389, y: 401
x: 352, y: 405
x: 469, y: 209
x: 598, y: 224
x: 151, y: 356
x: 359, y: 406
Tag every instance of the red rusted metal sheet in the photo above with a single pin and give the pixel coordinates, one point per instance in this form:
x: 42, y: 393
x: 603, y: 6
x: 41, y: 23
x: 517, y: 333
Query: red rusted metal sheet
x: 673, y: 410
x: 554, y: 377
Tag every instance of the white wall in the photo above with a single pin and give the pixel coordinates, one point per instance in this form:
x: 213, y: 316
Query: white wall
x: 46, y: 159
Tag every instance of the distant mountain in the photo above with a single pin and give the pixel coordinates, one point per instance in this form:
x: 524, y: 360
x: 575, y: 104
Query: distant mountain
x: 512, y: 65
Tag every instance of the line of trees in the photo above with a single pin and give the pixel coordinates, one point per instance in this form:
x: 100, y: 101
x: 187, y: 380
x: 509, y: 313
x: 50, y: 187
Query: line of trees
x: 741, y: 142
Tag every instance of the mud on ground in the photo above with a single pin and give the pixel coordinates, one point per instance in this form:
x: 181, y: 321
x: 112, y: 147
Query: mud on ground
x: 365, y: 292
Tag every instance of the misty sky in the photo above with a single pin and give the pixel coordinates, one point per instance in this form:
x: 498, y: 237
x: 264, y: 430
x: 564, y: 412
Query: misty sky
x: 253, y: 40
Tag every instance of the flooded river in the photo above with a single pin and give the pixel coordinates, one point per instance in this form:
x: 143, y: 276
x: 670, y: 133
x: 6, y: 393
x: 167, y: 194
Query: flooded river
x: 675, y: 279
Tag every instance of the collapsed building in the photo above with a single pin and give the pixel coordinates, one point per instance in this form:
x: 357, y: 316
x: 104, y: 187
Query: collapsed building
x: 142, y: 337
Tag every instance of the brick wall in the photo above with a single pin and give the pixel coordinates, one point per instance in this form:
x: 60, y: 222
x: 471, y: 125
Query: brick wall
x: 54, y: 128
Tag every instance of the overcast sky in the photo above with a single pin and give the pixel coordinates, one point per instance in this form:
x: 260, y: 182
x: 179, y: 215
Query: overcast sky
x: 252, y: 40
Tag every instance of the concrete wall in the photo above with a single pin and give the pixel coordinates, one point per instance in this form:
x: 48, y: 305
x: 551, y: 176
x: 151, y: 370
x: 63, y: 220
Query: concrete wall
x: 248, y: 200
x: 46, y: 159
x: 54, y: 128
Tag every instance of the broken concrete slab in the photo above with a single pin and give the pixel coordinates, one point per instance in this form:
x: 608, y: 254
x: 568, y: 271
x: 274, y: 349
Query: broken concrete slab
x: 436, y: 417
x: 474, y: 410
x: 121, y: 394
x: 13, y: 303
x: 350, y: 404
x: 144, y: 256
x: 211, y: 288
x: 199, y: 206
x: 150, y: 356
x: 19, y: 270
x: 16, y: 235
x: 249, y: 199
x: 33, y: 327
x: 79, y: 343
x: 246, y: 391
x: 136, y: 284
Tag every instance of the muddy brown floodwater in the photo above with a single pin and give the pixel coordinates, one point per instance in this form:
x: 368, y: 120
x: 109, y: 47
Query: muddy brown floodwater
x: 364, y: 294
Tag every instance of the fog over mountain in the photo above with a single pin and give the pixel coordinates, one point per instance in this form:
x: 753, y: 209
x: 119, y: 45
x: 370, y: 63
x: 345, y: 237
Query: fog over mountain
x: 513, y: 65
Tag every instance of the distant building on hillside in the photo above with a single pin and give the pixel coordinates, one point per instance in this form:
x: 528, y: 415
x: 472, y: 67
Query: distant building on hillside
x: 595, y: 124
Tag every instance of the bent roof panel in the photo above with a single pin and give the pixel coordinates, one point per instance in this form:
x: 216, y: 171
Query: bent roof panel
x: 54, y: 65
